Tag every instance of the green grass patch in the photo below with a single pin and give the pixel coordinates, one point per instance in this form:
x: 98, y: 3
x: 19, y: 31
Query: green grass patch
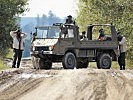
x: 9, y: 54
x: 115, y: 65
x: 2, y: 65
x: 92, y: 65
x: 129, y: 64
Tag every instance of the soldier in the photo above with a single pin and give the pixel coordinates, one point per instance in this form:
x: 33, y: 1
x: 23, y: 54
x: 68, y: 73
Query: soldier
x: 83, y: 37
x: 69, y: 20
x: 101, y: 35
x: 122, y: 48
x: 18, y: 46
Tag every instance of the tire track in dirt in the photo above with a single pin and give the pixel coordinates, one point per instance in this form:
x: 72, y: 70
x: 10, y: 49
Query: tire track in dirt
x: 72, y: 85
x: 19, y: 88
x: 94, y: 88
x: 62, y: 84
x: 17, y: 82
x: 120, y: 87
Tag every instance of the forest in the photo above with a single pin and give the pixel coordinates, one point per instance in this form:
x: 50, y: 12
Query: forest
x: 117, y: 12
x: 9, y: 16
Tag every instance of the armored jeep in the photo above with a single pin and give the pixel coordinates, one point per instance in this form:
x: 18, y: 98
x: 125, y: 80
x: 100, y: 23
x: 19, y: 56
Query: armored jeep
x: 62, y: 43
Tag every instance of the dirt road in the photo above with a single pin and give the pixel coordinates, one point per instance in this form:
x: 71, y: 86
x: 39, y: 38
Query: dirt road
x: 59, y: 84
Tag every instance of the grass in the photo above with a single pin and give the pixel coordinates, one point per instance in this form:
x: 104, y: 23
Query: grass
x: 9, y: 54
x: 115, y: 65
x: 2, y: 65
x: 129, y: 64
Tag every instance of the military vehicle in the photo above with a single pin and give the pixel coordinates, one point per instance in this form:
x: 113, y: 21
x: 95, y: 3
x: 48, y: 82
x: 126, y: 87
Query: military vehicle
x: 62, y: 43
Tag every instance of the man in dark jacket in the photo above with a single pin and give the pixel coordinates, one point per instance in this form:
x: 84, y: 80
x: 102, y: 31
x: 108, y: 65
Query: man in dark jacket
x: 122, y: 48
x: 69, y: 20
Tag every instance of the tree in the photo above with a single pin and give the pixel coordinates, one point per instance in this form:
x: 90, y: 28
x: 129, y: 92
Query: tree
x: 38, y: 20
x: 52, y: 18
x: 44, y: 20
x: 118, y: 12
x: 9, y: 12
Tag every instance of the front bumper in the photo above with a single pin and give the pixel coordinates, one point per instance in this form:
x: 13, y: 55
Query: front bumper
x: 40, y: 52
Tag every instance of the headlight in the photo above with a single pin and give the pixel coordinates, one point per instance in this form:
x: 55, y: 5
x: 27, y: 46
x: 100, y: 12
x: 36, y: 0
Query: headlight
x: 51, y: 47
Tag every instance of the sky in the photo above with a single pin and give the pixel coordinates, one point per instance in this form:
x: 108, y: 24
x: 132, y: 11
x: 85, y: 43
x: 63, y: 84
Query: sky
x: 60, y: 8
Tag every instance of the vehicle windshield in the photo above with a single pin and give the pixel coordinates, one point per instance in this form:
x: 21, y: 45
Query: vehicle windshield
x: 48, y: 32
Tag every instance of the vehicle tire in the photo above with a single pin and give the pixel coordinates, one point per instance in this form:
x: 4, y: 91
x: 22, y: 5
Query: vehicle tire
x: 98, y: 65
x: 104, y: 61
x: 82, y: 64
x: 69, y: 61
x: 45, y: 64
x: 35, y: 62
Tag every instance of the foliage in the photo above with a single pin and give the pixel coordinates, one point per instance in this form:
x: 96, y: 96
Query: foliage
x: 2, y: 65
x: 118, y: 12
x: 9, y: 12
x: 47, y: 19
x: 9, y: 54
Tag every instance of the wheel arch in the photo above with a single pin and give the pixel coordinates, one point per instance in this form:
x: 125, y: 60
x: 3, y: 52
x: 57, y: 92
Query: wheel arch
x: 72, y: 51
x: 108, y: 51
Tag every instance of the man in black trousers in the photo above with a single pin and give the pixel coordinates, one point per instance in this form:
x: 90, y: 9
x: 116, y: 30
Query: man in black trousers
x: 122, y: 48
x: 18, y: 46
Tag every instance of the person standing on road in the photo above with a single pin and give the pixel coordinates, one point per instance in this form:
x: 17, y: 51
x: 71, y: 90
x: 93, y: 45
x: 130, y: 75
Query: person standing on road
x: 122, y: 48
x: 18, y: 46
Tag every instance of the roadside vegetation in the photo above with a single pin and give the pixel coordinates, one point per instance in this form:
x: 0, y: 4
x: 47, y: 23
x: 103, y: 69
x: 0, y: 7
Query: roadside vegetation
x: 2, y: 65
x: 9, y: 18
x: 129, y: 65
x: 9, y: 55
x: 117, y: 12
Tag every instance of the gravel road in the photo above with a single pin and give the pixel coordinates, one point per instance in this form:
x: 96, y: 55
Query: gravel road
x: 26, y: 83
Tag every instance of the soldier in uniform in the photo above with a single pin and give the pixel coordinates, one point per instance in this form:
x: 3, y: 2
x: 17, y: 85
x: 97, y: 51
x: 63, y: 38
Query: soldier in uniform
x: 102, y: 36
x: 83, y: 37
x: 69, y: 20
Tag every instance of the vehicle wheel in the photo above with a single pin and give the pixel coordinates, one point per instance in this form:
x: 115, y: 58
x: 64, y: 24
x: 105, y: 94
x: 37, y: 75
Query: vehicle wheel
x: 45, y: 64
x: 98, y: 65
x: 69, y: 61
x: 82, y: 64
x: 35, y: 62
x: 104, y: 61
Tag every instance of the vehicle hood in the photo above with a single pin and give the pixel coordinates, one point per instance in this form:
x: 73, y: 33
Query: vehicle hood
x: 45, y: 42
